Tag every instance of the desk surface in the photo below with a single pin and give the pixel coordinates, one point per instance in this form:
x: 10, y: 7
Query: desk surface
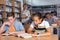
x: 52, y: 37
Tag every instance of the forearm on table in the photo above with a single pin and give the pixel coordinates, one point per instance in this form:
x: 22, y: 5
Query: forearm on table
x: 48, y: 32
x: 17, y: 32
x: 45, y: 34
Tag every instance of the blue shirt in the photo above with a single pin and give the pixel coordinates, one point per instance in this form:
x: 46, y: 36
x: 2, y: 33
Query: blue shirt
x: 18, y: 26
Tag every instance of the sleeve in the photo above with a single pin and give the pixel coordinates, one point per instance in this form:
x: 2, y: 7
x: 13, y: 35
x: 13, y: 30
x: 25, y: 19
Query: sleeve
x: 28, y: 13
x: 32, y: 25
x: 6, y: 28
x: 47, y: 24
x: 21, y: 26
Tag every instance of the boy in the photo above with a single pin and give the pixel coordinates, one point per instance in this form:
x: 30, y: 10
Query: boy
x: 12, y: 25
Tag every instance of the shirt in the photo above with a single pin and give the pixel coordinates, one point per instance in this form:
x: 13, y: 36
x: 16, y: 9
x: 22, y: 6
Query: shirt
x: 17, y: 25
x: 41, y: 27
x: 11, y: 28
x: 43, y: 24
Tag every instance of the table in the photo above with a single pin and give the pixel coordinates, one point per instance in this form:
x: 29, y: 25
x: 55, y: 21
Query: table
x: 51, y: 37
x: 58, y: 32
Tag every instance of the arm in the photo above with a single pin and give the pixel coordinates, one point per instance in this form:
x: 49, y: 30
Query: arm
x: 1, y: 29
x: 48, y: 29
x: 17, y: 32
x: 30, y: 29
x: 48, y: 32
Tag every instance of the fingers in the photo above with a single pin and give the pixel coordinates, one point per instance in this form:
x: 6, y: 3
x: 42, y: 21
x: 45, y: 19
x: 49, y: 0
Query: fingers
x: 6, y: 23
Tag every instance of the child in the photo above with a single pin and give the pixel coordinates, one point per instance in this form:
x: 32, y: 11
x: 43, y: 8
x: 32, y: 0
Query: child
x: 25, y: 14
x: 12, y: 25
x: 49, y: 18
x: 39, y: 25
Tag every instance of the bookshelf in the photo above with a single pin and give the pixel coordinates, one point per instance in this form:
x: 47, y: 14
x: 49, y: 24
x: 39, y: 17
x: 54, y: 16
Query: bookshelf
x: 44, y: 9
x: 7, y: 6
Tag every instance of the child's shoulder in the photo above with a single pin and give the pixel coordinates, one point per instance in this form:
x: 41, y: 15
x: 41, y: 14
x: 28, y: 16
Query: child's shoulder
x: 45, y: 21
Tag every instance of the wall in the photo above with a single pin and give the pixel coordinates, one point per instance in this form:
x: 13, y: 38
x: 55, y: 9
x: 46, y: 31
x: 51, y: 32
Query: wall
x: 42, y: 2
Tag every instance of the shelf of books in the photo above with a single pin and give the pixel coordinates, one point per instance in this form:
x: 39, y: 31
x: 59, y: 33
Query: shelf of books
x: 7, y: 6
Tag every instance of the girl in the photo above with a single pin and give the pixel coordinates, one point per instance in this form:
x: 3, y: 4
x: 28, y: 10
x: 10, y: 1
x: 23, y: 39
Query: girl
x: 39, y: 25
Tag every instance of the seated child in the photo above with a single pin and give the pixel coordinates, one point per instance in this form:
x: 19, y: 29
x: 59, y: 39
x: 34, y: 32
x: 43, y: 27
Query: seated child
x: 39, y: 25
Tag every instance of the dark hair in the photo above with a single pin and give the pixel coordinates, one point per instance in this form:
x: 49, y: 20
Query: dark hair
x: 47, y: 13
x: 52, y: 12
x: 37, y: 14
x: 25, y: 4
x: 10, y: 14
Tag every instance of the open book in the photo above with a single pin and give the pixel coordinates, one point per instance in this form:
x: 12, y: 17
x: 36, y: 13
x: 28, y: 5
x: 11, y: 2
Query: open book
x: 24, y: 35
x: 5, y: 34
x: 8, y: 34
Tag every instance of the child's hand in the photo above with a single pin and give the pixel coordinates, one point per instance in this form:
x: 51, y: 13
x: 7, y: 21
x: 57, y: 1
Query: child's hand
x: 6, y: 23
x: 36, y: 34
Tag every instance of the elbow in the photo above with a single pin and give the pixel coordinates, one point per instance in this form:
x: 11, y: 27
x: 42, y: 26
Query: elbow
x: 28, y: 31
x: 49, y: 33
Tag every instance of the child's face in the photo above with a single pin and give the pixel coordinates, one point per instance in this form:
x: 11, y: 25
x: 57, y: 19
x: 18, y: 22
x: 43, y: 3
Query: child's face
x: 25, y: 7
x: 36, y: 20
x: 11, y: 19
x: 48, y: 16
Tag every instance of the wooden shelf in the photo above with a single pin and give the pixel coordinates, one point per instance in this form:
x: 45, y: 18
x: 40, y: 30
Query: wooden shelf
x: 10, y: 6
x: 18, y: 7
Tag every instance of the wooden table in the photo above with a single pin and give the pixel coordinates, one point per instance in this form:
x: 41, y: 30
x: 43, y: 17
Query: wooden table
x: 52, y: 37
